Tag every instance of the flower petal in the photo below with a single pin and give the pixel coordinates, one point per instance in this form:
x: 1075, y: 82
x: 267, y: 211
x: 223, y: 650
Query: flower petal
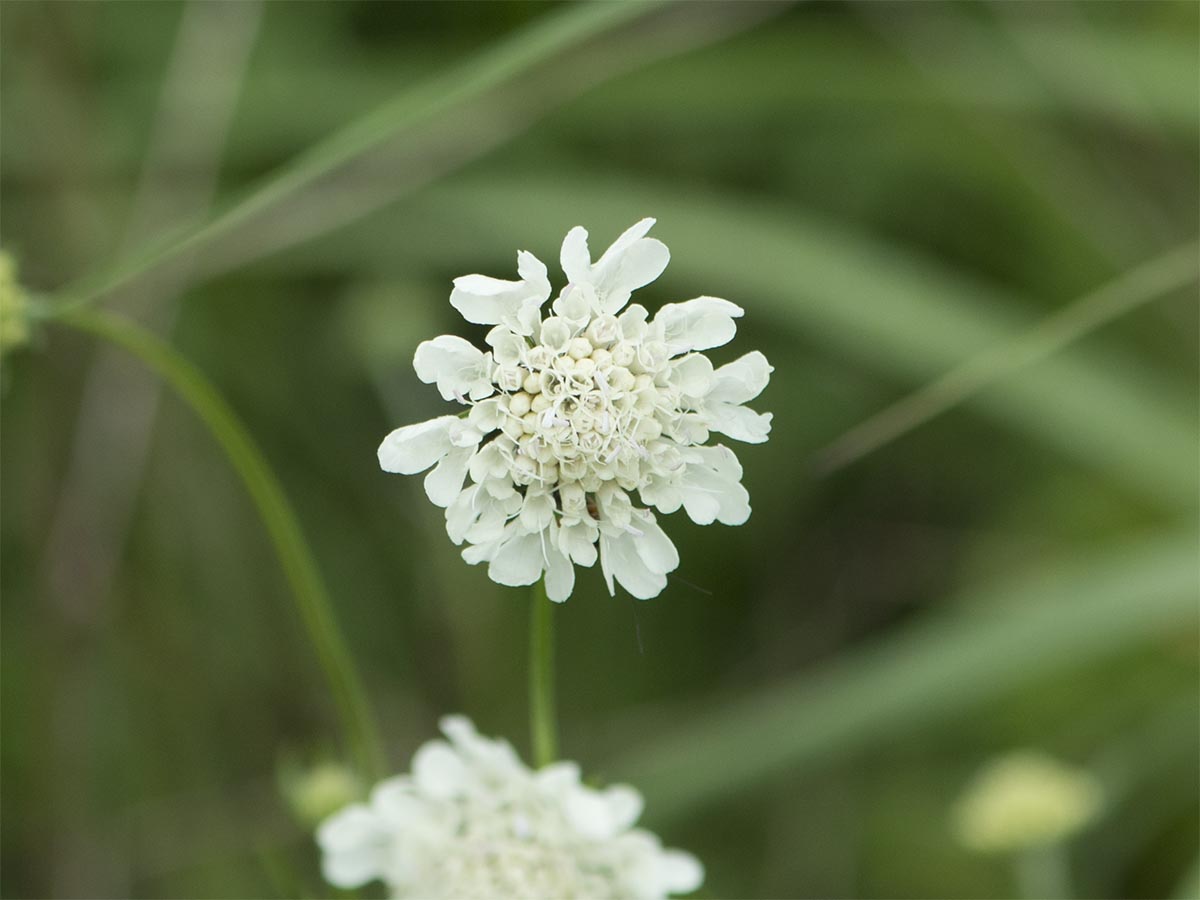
x: 625, y: 805
x: 680, y: 872
x: 352, y: 843
x: 458, y: 368
x: 634, y: 267
x: 741, y: 380
x: 439, y: 770
x: 518, y: 561
x: 414, y: 448
x: 493, y: 301
x: 589, y: 814
x: 711, y: 487
x: 619, y: 561
x: 693, y: 374
x: 699, y: 324
x: 444, y: 483
x: 574, y: 257
x: 654, y: 547
x: 739, y: 422
x: 560, y: 574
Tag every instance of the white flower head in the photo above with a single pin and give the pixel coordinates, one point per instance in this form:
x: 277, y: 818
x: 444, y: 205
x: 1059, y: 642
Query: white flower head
x: 583, y: 420
x: 472, y: 821
x: 1025, y: 799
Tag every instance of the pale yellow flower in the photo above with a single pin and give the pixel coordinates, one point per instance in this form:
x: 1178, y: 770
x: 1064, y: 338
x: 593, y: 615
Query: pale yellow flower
x: 1025, y: 799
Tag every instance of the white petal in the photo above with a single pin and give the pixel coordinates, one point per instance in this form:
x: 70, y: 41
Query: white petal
x: 396, y: 803
x: 741, y: 380
x: 506, y: 346
x: 560, y: 575
x: 482, y: 552
x: 480, y: 298
x: 576, y: 303
x: 533, y: 271
x: 711, y: 487
x: 739, y: 422
x: 679, y: 872
x: 537, y: 512
x: 636, y: 267
x: 462, y: 514
x: 462, y: 433
x: 493, y: 301
x: 624, y: 805
x: 578, y: 541
x: 438, y: 770
x: 414, y: 448
x: 444, y: 483
x: 351, y: 842
x: 589, y: 814
x: 493, y: 517
x: 574, y: 257
x: 518, y: 561
x: 632, y: 322
x: 486, y: 416
x: 488, y: 463
x: 556, y: 334
x: 662, y: 493
x: 627, y: 239
x: 698, y: 324
x: 459, y: 368
x: 654, y: 547
x: 558, y: 778
x: 693, y: 374
x: 619, y: 561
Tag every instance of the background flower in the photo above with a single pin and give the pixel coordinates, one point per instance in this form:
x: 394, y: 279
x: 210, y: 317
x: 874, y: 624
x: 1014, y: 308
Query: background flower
x: 1025, y: 799
x: 473, y: 822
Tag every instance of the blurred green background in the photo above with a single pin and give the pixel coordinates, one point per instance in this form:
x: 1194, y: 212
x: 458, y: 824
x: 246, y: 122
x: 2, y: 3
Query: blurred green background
x: 889, y: 189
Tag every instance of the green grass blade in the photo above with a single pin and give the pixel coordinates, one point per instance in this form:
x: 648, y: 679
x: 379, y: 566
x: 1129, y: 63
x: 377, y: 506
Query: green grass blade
x: 299, y: 567
x: 1162, y: 275
x: 551, y: 34
x: 999, y: 639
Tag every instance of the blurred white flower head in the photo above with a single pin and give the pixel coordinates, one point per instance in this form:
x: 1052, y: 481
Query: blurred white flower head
x: 472, y: 821
x: 1025, y: 799
x: 573, y: 413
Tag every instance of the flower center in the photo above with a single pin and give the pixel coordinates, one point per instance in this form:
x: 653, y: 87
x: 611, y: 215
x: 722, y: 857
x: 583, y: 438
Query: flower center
x: 587, y: 405
x: 478, y: 869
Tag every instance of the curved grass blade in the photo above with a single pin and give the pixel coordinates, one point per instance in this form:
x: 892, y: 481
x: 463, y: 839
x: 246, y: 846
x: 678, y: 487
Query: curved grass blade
x: 299, y: 567
x: 549, y: 35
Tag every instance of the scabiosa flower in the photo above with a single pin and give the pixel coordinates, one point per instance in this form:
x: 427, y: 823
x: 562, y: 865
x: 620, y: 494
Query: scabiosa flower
x: 472, y: 821
x: 573, y: 414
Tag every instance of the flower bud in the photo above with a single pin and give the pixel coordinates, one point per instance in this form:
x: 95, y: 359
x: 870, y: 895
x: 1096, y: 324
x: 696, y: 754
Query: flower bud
x: 604, y: 330
x: 556, y: 335
x: 579, y: 348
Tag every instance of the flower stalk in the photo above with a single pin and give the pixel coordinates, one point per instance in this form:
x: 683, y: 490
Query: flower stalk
x: 1044, y: 873
x: 543, y: 718
x: 295, y: 557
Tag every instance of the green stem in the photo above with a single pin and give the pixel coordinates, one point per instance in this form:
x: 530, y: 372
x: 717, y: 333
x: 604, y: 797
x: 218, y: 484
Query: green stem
x: 542, y: 718
x: 308, y: 588
x: 1044, y: 873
